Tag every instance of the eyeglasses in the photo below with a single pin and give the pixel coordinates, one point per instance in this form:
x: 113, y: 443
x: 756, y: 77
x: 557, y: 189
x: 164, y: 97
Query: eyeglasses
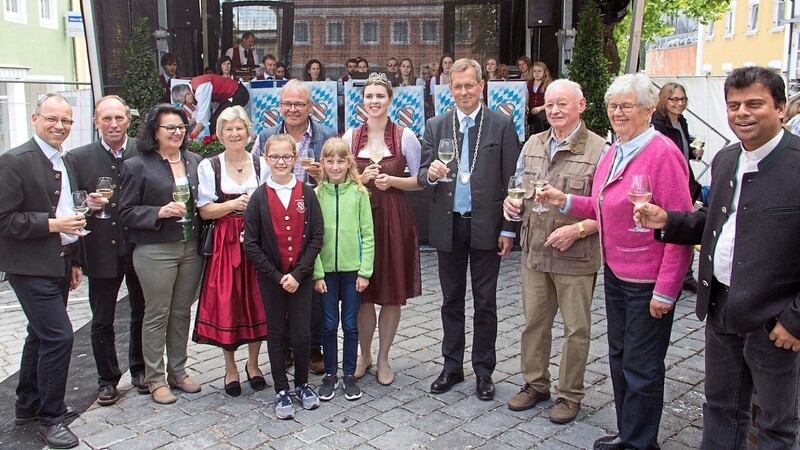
x: 293, y: 105
x: 678, y: 99
x: 51, y: 120
x: 173, y: 128
x: 459, y: 87
x: 391, y: 65
x: 284, y: 158
x: 625, y: 107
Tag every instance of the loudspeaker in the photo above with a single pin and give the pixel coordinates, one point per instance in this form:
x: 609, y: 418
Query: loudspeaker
x: 540, y: 13
x: 183, y: 14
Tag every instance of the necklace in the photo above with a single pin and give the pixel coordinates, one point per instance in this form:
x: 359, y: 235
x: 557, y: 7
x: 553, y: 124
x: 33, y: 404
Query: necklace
x: 171, y: 161
x: 239, y: 169
x: 465, y: 176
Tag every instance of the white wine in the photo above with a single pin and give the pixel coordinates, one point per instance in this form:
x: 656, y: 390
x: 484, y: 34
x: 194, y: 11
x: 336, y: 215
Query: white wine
x: 516, y: 193
x: 639, y: 198
x: 538, y: 185
x: 306, y: 162
x: 446, y: 157
x: 106, y: 193
x: 80, y: 209
x: 180, y: 197
x: 376, y: 157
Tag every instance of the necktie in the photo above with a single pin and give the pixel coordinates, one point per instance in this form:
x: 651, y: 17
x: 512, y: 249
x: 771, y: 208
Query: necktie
x: 463, y: 199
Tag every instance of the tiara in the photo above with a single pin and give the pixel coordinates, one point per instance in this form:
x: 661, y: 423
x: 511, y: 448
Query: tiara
x: 378, y: 77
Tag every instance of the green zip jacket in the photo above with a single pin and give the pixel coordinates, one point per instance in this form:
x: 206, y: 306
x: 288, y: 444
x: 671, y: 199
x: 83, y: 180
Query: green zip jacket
x: 349, y: 243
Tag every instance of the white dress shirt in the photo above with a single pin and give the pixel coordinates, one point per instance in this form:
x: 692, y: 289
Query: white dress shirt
x: 64, y: 208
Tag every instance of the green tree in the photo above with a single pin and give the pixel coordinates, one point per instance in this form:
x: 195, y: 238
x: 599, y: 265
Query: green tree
x: 141, y: 88
x: 589, y: 67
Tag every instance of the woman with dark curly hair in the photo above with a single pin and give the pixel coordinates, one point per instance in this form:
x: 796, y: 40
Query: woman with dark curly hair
x: 314, y: 71
x: 158, y: 191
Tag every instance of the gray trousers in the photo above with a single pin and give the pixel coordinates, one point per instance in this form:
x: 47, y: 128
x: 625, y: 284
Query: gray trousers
x: 170, y: 274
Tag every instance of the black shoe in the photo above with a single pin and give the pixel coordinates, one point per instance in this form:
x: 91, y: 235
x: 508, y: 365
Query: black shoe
x: 484, y: 388
x: 258, y: 383
x: 58, y: 436
x: 24, y: 419
x: 234, y: 389
x: 107, y: 395
x: 609, y: 443
x: 690, y: 285
x: 139, y: 383
x: 446, y: 381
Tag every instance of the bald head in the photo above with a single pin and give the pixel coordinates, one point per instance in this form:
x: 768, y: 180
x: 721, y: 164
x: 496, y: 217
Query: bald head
x: 112, y: 116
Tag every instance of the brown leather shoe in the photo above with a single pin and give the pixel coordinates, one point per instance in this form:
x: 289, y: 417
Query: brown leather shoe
x: 315, y: 363
x: 161, y: 393
x: 527, y: 398
x: 186, y: 384
x: 564, y: 411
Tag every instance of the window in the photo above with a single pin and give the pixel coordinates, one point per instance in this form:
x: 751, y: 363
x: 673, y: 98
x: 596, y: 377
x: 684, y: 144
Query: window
x: 429, y: 32
x: 777, y: 14
x: 463, y: 32
x: 709, y: 30
x: 47, y: 14
x: 14, y: 11
x: 334, y: 32
x: 729, y: 22
x: 752, y: 16
x: 302, y: 34
x: 369, y: 32
x: 400, y: 32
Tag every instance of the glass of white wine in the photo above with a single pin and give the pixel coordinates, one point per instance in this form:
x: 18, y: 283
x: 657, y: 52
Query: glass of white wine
x: 639, y: 193
x: 376, y: 151
x: 181, y: 194
x: 80, y: 206
x: 105, y: 188
x: 516, y: 190
x: 447, y: 151
x: 539, y: 181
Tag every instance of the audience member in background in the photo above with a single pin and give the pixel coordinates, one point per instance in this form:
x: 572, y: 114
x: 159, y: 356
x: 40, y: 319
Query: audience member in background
x: 208, y: 89
x: 537, y: 84
x: 668, y: 120
x: 184, y: 98
x: 282, y: 238
x: 314, y: 71
x: 268, y: 63
x: 490, y: 69
x: 223, y: 67
x: 392, y: 69
x: 426, y: 73
x: 169, y: 70
x: 243, y: 54
x: 443, y: 72
x: 396, y: 277
x: 164, y: 231
x: 502, y: 72
x: 362, y: 65
x: 230, y: 312
x: 524, y: 65
x: 406, y: 75
x: 280, y: 71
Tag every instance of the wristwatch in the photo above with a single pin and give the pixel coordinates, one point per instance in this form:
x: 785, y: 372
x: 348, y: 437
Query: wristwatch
x: 581, y: 230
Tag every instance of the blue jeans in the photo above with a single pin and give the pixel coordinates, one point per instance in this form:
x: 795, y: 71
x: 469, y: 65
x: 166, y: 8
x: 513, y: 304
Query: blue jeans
x: 637, y: 345
x: 341, y: 285
x: 736, y: 364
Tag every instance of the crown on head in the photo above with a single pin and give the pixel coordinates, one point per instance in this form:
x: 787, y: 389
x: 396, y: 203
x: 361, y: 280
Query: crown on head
x: 378, y: 77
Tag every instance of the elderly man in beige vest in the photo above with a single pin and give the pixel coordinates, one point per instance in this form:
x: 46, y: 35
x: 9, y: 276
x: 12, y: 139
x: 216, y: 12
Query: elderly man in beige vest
x: 560, y: 254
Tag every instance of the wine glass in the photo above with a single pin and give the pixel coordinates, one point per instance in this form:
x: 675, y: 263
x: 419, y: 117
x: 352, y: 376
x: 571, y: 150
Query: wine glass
x: 181, y: 194
x: 447, y: 151
x: 80, y: 206
x: 698, y: 145
x: 376, y: 151
x: 105, y: 188
x: 516, y: 190
x: 539, y: 181
x: 639, y: 193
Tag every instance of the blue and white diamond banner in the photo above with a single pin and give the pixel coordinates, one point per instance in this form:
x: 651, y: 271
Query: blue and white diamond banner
x: 265, y: 105
x: 443, y: 99
x: 509, y: 98
x: 407, y: 108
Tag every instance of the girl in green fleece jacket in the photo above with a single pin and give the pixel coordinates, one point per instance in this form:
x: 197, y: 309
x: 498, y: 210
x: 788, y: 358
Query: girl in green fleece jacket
x: 344, y: 265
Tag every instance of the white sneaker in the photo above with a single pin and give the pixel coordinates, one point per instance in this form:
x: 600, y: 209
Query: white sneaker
x: 283, y: 406
x: 307, y: 396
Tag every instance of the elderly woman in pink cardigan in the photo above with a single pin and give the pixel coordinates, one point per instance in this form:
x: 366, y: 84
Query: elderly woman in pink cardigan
x: 643, y: 277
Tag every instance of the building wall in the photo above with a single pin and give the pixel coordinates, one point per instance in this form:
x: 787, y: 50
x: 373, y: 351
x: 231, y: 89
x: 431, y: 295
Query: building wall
x: 676, y: 61
x: 28, y: 41
x: 762, y: 46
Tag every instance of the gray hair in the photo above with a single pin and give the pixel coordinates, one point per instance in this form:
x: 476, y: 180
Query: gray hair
x: 47, y: 97
x: 297, y: 85
x: 465, y: 63
x: 638, y: 84
x: 232, y: 113
x: 569, y: 84
x: 179, y: 92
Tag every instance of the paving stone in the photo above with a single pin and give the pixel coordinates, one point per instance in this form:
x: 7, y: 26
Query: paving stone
x: 249, y: 439
x: 453, y: 439
x: 437, y: 423
x: 370, y: 429
x: 147, y: 441
x: 401, y: 438
x: 108, y: 437
x: 197, y: 422
x: 489, y: 426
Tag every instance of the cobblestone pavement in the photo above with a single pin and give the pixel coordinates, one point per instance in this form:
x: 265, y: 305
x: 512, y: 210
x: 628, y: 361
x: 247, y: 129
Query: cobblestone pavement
x: 401, y: 416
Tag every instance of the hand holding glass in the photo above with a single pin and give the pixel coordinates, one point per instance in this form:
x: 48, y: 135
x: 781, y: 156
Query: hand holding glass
x: 447, y: 151
x: 639, y: 193
x: 516, y: 190
x: 105, y: 188
x: 539, y: 181
x: 376, y: 151
x: 181, y: 194
x: 80, y: 206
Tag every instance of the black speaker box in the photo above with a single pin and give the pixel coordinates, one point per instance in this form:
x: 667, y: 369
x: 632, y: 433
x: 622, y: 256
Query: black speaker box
x: 540, y: 13
x: 183, y: 14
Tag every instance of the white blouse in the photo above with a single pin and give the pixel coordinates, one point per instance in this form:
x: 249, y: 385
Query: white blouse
x: 206, y: 191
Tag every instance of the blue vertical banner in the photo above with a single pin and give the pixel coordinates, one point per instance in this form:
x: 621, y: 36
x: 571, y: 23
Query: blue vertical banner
x: 509, y: 98
x: 264, y: 108
x: 354, y: 112
x: 408, y: 108
x: 324, y: 103
x: 443, y: 99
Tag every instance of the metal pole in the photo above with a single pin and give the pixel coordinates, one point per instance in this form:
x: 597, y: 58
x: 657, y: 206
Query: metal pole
x: 92, y: 50
x: 632, y: 64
